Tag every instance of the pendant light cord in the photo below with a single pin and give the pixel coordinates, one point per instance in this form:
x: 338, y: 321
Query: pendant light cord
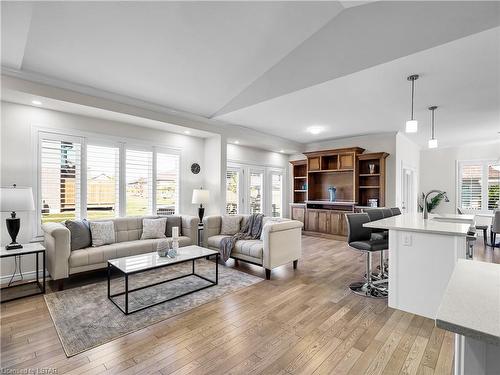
x: 432, y: 127
x: 412, y: 96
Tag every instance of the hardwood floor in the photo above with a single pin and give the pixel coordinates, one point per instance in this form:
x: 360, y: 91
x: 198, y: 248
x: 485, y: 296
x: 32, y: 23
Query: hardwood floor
x: 303, y: 321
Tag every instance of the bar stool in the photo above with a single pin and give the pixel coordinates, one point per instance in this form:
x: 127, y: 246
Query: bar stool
x: 395, y: 211
x: 387, y: 212
x: 379, y: 234
x: 359, y: 238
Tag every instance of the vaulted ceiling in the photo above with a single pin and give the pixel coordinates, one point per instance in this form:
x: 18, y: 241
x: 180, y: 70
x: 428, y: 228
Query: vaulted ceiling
x: 277, y: 67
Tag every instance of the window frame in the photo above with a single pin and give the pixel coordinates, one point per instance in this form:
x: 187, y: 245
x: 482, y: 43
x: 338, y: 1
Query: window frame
x: 484, y: 183
x: 96, y: 139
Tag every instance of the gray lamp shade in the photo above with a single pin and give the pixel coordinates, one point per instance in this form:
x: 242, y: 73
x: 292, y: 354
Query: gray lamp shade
x: 16, y: 199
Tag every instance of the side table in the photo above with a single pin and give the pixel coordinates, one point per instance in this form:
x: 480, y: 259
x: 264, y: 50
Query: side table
x: 27, y: 249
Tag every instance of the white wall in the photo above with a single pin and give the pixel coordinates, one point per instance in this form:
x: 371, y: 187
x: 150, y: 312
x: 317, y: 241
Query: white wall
x: 17, y: 154
x: 407, y: 156
x: 215, y: 172
x: 438, y: 168
x: 385, y: 142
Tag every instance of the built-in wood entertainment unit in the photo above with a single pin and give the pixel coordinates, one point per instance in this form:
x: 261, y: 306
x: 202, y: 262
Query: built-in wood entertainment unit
x: 358, y: 179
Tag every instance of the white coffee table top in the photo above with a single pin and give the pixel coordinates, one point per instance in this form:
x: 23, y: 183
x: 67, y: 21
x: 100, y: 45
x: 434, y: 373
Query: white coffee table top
x: 27, y: 248
x: 147, y: 261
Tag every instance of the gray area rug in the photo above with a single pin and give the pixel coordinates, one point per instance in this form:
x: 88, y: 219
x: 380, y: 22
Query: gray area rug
x: 85, y: 318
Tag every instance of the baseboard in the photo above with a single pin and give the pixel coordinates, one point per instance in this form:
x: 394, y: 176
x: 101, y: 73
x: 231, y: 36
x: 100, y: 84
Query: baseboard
x: 27, y: 276
x: 325, y: 235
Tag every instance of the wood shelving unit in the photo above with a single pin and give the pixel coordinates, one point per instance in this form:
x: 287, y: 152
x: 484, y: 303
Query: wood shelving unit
x: 371, y: 185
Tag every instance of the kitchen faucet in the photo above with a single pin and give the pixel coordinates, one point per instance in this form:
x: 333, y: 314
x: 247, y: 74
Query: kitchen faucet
x: 426, y: 213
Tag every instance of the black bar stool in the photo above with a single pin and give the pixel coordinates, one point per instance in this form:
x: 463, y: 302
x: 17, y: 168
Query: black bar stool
x: 387, y: 212
x: 395, y: 211
x: 379, y: 234
x: 359, y: 238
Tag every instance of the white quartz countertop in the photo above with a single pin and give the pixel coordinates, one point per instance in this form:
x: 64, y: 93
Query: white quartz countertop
x: 416, y: 223
x: 471, y: 302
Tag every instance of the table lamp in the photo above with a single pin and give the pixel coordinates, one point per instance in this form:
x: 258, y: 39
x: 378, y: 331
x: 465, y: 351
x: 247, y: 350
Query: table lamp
x: 201, y: 197
x: 14, y: 199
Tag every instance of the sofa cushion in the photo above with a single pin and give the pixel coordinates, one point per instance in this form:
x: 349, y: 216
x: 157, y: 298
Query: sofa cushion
x: 103, y: 232
x: 79, y: 233
x: 128, y: 228
x: 173, y: 221
x: 230, y: 224
x: 101, y: 254
x: 214, y: 241
x: 253, y: 248
x: 153, y: 228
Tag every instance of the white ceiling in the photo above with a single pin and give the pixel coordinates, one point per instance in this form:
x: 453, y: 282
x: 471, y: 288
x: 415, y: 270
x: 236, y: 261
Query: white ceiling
x: 276, y: 67
x: 191, y: 56
x: 462, y: 78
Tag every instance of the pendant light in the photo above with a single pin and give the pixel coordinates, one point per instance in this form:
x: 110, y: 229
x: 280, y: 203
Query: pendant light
x: 412, y: 124
x: 433, y: 142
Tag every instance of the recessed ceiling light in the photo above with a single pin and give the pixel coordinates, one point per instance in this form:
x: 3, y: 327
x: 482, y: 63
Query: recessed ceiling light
x: 315, y: 129
x: 187, y: 132
x: 282, y: 151
x: 236, y: 142
x: 36, y: 102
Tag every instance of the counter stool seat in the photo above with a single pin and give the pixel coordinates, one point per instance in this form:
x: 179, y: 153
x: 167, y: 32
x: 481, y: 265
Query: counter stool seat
x: 371, y: 245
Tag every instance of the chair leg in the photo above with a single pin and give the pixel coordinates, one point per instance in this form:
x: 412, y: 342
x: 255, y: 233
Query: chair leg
x: 493, y: 239
x: 370, y: 288
x: 268, y: 274
x: 295, y: 262
x: 485, y: 236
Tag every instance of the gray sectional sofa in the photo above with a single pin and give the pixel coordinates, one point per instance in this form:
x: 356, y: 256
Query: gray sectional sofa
x: 63, y: 262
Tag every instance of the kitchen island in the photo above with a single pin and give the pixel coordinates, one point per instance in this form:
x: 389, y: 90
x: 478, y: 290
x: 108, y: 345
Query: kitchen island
x: 422, y: 256
x: 471, y: 308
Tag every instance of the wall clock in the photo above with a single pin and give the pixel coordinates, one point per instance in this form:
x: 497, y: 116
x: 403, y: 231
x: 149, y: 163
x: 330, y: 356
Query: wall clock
x: 195, y: 168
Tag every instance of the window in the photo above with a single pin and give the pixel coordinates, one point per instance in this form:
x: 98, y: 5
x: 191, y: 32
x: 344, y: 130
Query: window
x: 139, y: 182
x: 255, y: 199
x: 276, y: 194
x: 232, y: 191
x: 60, y: 171
x: 479, y: 185
x: 103, y: 188
x: 167, y: 182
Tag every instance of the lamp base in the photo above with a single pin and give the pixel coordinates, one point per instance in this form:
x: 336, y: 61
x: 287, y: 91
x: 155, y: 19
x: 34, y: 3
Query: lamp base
x: 13, y: 246
x: 201, y: 212
x: 13, y: 225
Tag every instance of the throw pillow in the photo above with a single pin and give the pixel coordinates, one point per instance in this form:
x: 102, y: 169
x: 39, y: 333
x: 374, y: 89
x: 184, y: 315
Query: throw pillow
x: 230, y: 224
x: 173, y: 221
x: 103, y: 232
x: 153, y: 228
x: 80, y: 233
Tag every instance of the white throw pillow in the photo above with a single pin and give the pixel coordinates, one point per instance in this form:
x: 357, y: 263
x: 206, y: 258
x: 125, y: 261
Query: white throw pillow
x: 153, y: 228
x: 103, y: 232
x: 268, y: 221
x: 230, y: 224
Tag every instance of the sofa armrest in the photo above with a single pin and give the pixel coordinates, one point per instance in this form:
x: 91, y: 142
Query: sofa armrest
x: 211, y: 227
x: 57, y: 240
x: 282, y: 243
x: 190, y: 227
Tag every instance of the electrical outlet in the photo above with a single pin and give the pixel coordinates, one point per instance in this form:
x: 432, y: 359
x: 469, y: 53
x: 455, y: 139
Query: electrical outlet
x: 407, y: 239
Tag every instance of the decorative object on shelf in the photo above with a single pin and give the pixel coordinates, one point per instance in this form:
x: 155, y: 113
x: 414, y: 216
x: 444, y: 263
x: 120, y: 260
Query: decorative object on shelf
x: 412, y: 124
x: 163, y: 247
x: 372, y: 202
x: 195, y: 168
x: 371, y: 168
x: 433, y: 142
x: 14, y: 199
x: 332, y: 193
x: 201, y: 197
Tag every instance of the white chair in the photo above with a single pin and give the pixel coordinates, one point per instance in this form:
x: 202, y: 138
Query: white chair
x: 495, y: 226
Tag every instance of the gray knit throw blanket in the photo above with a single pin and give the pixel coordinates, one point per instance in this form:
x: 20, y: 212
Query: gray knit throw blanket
x: 251, y: 231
